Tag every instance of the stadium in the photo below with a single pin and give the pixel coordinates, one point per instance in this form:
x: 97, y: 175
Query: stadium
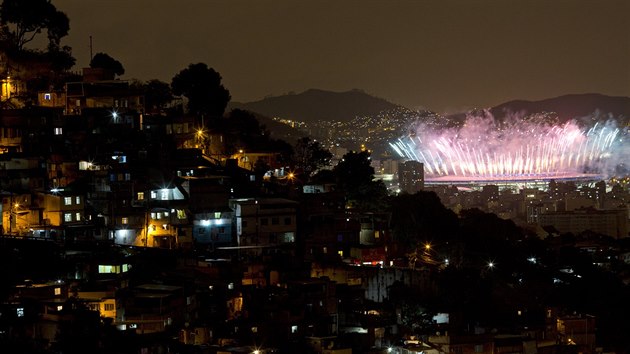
x: 522, y: 152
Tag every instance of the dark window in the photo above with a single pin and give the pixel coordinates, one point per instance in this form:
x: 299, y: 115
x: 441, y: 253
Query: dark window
x: 275, y: 221
x: 287, y: 221
x: 264, y: 221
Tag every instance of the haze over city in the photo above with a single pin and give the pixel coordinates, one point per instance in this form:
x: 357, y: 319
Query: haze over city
x: 276, y: 177
x: 441, y: 55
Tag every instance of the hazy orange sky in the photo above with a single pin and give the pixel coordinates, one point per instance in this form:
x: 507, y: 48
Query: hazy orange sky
x: 439, y: 54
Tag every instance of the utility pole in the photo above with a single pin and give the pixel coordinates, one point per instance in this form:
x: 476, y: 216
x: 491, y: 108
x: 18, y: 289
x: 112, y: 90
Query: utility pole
x: 91, y: 56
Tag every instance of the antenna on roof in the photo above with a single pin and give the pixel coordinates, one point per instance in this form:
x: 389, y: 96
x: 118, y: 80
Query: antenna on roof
x: 91, y: 57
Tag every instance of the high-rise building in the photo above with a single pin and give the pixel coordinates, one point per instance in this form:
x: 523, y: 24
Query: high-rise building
x: 411, y: 176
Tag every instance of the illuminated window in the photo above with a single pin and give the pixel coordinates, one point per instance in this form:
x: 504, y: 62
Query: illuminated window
x: 125, y: 221
x: 57, y: 291
x: 217, y: 215
x: 152, y: 215
x: 59, y: 308
x: 77, y: 216
x: 58, y: 131
x: 109, y: 307
x: 67, y: 201
x: 164, y: 194
x: 67, y: 217
x: 47, y: 97
x: 140, y: 195
x: 77, y: 200
x: 153, y: 194
x: 108, y: 269
x: 254, y: 329
x: 181, y: 214
x: 20, y: 311
x: 294, y: 329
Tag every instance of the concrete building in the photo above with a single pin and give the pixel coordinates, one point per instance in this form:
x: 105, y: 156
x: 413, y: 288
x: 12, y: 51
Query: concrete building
x: 264, y: 221
x: 612, y: 223
x: 411, y: 176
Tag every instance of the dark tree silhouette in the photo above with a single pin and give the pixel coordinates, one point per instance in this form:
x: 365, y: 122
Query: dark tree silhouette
x: 355, y: 176
x: 203, y: 89
x: 157, y: 94
x: 420, y: 218
x: 22, y: 20
x: 310, y: 156
x: 104, y: 61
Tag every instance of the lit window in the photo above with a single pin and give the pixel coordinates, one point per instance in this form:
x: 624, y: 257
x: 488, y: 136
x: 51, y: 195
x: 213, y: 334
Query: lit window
x: 125, y: 221
x: 67, y: 217
x: 140, y: 195
x: 77, y: 200
x: 164, y: 194
x: 217, y: 215
x: 77, y: 216
x: 152, y: 215
x: 67, y: 201
x: 20, y: 311
x: 58, y: 131
x: 153, y: 194
x: 57, y: 291
x: 109, y: 307
x: 181, y: 214
x: 59, y: 308
x: 294, y: 329
x: 254, y: 329
x: 47, y: 96
x: 231, y: 286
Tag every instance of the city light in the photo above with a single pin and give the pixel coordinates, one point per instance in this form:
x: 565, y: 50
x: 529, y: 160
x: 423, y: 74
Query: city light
x: 484, y: 148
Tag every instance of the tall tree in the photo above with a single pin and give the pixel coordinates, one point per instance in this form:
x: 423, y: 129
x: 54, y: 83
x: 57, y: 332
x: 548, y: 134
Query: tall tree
x: 202, y: 87
x: 310, y: 156
x: 104, y: 61
x: 355, y: 176
x: 157, y: 94
x: 22, y: 20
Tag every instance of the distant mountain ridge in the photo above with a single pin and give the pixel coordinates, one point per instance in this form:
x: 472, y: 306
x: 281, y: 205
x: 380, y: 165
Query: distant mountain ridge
x: 567, y: 107
x: 319, y: 105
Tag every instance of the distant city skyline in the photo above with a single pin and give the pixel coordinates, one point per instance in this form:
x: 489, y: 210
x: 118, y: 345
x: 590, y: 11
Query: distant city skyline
x: 441, y: 55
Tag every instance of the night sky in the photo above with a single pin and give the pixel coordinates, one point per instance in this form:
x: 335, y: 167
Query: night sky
x: 439, y: 54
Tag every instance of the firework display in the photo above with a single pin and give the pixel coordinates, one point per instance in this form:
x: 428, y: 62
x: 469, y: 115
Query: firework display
x: 485, y: 149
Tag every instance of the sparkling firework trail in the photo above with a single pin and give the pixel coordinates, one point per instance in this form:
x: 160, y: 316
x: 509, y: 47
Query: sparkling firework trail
x: 482, y: 148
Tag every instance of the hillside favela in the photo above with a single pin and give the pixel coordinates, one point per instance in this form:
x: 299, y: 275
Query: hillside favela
x: 166, y: 217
